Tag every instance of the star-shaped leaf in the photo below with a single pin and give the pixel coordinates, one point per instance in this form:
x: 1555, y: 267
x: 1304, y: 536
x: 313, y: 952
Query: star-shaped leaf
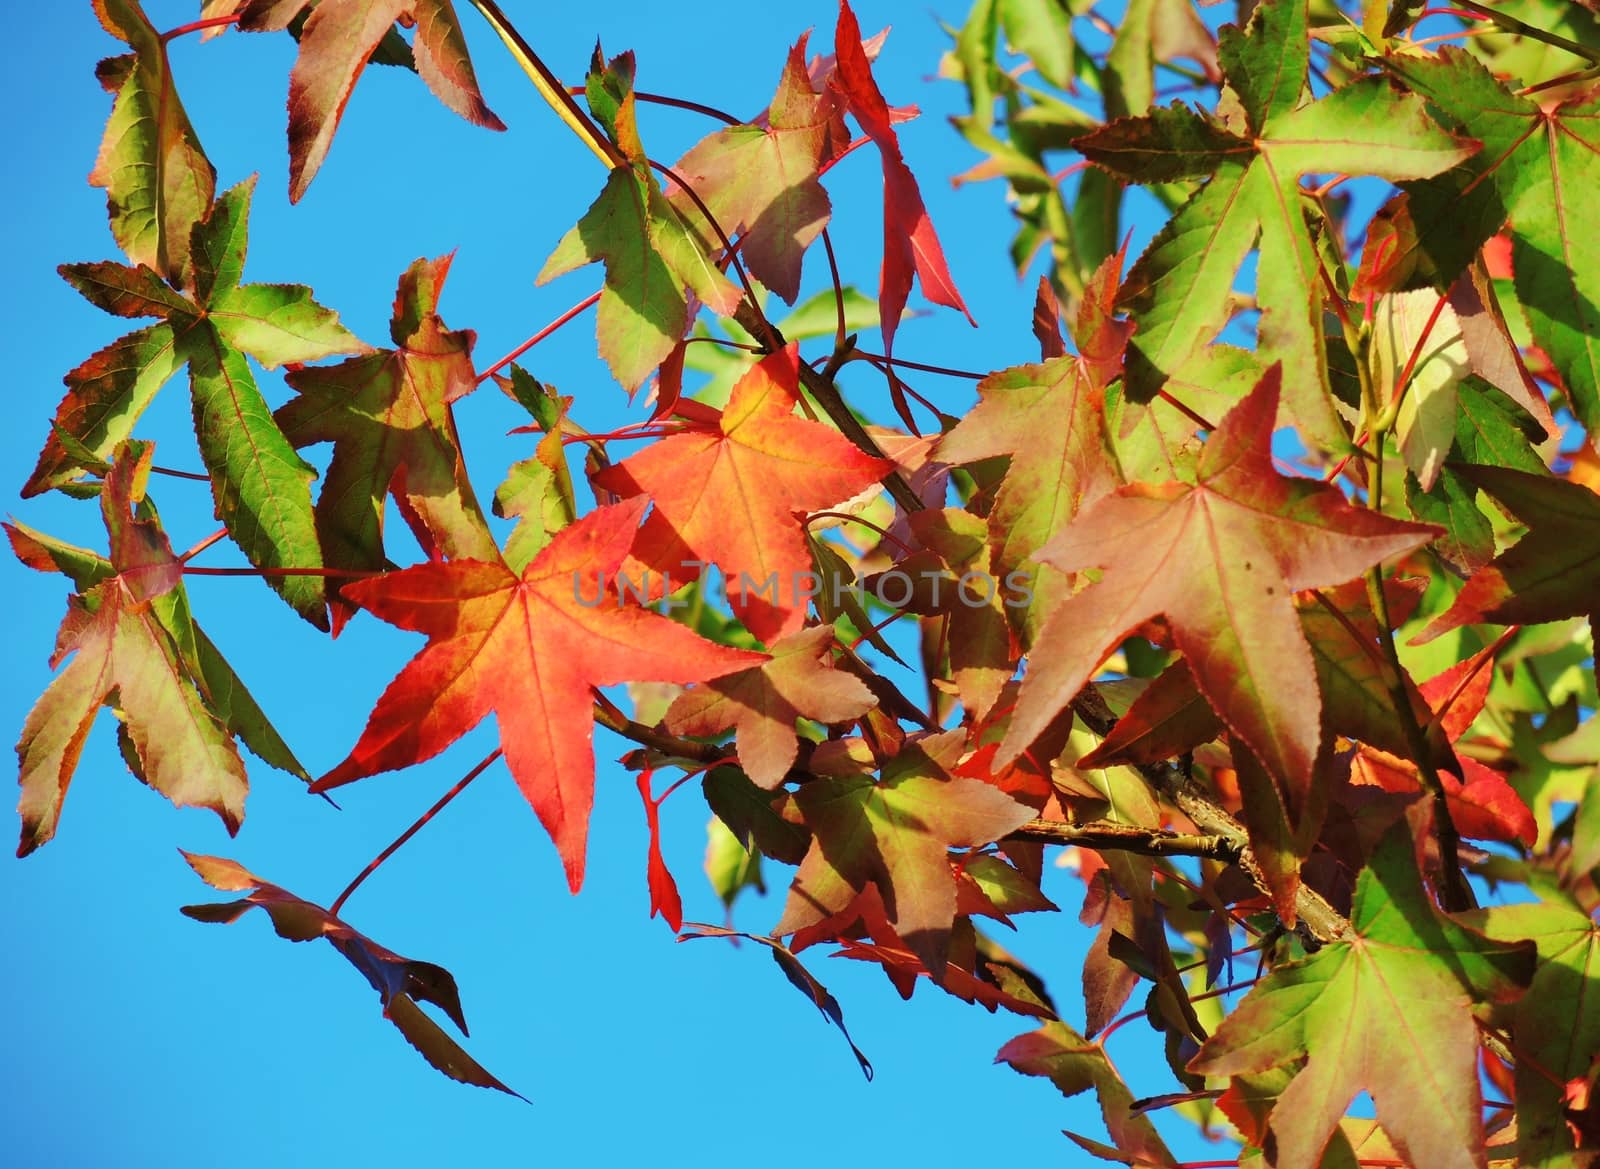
x: 1556, y: 1025
x: 1537, y: 168
x: 123, y: 656
x: 529, y: 648
x: 337, y: 38
x: 389, y: 417
x: 1550, y: 573
x: 1178, y: 292
x: 761, y: 179
x: 896, y: 832
x: 762, y: 704
x: 1074, y: 1064
x: 1054, y: 469
x: 1386, y: 1012
x: 727, y: 492
x: 157, y: 179
x: 911, y: 248
x: 1221, y: 558
x: 261, y: 487
x: 650, y: 252
x: 400, y: 982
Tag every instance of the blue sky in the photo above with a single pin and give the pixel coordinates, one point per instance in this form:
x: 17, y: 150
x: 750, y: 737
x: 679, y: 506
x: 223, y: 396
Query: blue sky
x: 138, y: 1035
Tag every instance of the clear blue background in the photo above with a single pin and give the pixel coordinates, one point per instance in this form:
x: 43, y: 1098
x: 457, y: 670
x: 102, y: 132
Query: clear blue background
x: 141, y: 1038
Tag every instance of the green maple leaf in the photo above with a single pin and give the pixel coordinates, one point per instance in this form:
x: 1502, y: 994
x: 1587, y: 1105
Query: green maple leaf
x: 389, y: 416
x: 261, y: 486
x: 225, y: 691
x: 649, y: 250
x: 896, y: 833
x: 1388, y: 1012
x: 157, y: 179
x: 134, y: 649
x: 1556, y: 1025
x: 1054, y: 469
x: 1550, y: 573
x: 1539, y: 167
x: 1178, y: 292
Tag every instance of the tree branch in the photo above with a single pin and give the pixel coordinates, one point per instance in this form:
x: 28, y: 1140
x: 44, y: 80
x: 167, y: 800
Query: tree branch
x: 1103, y: 834
x: 1325, y: 922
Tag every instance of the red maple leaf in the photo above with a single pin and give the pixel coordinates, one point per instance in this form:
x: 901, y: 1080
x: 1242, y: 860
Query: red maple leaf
x: 910, y: 246
x: 529, y: 648
x: 1483, y: 805
x: 1221, y: 558
x: 727, y: 490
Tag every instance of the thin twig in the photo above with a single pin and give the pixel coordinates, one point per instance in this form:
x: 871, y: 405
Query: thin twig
x: 1512, y: 24
x: 1104, y: 834
x: 875, y: 358
x: 202, y: 545
x: 375, y: 862
x: 661, y: 99
x: 198, y: 26
x: 592, y: 298
x: 1324, y: 921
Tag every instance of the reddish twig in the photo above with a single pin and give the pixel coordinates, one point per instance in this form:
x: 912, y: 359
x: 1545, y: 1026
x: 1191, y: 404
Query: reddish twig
x: 192, y: 476
x: 659, y: 99
x: 877, y: 358
x: 330, y: 573
x: 203, y: 545
x: 591, y: 299
x: 439, y: 805
x: 199, y: 26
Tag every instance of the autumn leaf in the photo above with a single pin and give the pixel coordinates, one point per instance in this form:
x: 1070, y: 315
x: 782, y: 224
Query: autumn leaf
x: 261, y: 487
x: 337, y: 38
x: 125, y: 658
x: 1482, y: 803
x: 400, y: 982
x: 389, y: 415
x: 664, y: 896
x: 1074, y: 1064
x: 910, y: 246
x: 537, y: 492
x: 157, y: 179
x: 1383, y: 1012
x: 761, y: 179
x: 896, y: 833
x: 799, y: 977
x: 650, y: 252
x: 761, y: 704
x: 1352, y: 673
x: 528, y: 648
x: 1555, y: 1025
x: 1169, y: 717
x: 1551, y: 572
x: 1178, y: 291
x: 1537, y: 167
x: 956, y: 585
x: 225, y: 692
x: 1054, y: 469
x: 727, y: 492
x: 1221, y: 558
